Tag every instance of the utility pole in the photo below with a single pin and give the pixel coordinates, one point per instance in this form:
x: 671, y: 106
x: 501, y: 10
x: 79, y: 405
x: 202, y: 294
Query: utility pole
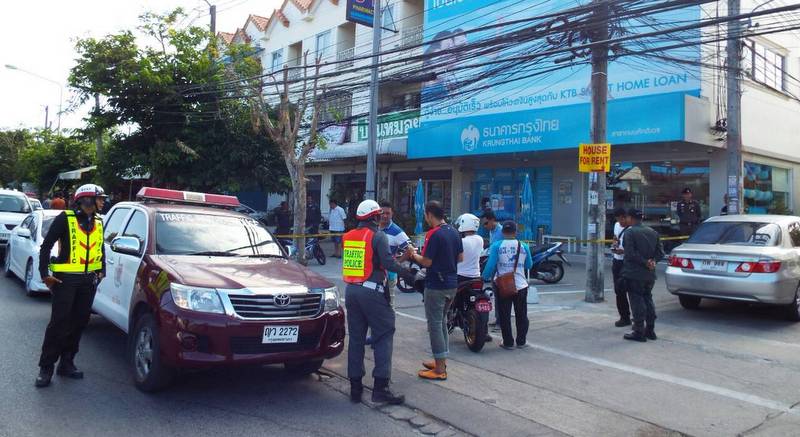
x: 371, y: 191
x: 99, y: 140
x: 46, y: 117
x: 595, y: 262
x: 734, y: 110
x: 212, y: 10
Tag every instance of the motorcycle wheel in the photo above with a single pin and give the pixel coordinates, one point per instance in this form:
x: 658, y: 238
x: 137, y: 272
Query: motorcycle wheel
x: 550, y: 272
x: 319, y: 255
x: 452, y: 322
x: 476, y: 327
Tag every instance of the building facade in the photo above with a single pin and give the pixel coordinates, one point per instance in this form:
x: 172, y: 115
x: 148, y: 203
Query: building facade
x: 665, y: 118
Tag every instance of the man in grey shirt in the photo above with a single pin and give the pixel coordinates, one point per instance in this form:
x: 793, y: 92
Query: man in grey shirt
x: 642, y: 250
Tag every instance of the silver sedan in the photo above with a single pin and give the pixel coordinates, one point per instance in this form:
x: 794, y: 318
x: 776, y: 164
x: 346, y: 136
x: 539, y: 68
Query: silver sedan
x: 748, y: 258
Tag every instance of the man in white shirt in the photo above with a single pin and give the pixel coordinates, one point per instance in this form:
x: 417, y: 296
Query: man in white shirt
x: 623, y: 307
x: 336, y: 219
x: 470, y: 267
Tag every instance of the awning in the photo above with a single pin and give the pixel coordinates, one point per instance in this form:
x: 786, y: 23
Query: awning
x: 391, y: 147
x: 75, y: 174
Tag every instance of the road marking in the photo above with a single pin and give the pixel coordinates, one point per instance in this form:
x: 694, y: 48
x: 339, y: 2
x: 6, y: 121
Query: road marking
x: 566, y: 291
x: 663, y: 377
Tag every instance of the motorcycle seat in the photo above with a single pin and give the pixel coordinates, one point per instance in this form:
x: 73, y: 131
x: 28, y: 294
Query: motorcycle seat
x: 543, y: 248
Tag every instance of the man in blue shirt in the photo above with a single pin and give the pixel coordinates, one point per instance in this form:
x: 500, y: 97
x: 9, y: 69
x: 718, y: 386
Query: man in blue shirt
x: 440, y: 255
x: 492, y: 227
x: 397, y: 240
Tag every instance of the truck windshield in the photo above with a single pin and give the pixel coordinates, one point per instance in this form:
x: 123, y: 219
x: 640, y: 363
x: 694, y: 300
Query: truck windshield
x: 208, y: 234
x: 738, y: 233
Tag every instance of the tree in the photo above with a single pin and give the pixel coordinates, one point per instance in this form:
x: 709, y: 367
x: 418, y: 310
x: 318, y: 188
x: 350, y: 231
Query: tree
x: 292, y: 123
x: 12, y: 143
x: 163, y: 104
x: 49, y: 154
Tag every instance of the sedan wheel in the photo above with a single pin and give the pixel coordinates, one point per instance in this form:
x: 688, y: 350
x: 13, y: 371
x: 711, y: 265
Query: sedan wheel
x: 7, y: 263
x: 29, y: 279
x: 793, y: 310
x: 689, y: 302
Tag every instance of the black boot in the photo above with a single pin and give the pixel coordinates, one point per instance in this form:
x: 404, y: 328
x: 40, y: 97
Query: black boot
x: 382, y: 394
x: 67, y: 368
x: 650, y: 332
x: 45, y: 376
x: 356, y: 390
x: 622, y: 322
x: 637, y: 334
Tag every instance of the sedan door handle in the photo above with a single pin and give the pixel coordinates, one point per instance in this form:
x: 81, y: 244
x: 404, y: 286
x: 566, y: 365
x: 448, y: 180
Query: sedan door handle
x: 110, y: 261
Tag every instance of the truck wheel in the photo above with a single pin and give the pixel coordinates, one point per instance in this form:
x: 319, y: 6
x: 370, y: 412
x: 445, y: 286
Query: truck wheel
x: 149, y: 373
x: 303, y: 368
x: 689, y: 302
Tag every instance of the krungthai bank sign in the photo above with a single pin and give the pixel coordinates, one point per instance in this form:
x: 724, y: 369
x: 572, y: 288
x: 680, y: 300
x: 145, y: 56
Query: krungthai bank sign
x: 540, y: 111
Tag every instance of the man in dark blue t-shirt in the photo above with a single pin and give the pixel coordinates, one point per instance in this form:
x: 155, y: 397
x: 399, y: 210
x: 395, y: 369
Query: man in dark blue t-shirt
x: 440, y: 255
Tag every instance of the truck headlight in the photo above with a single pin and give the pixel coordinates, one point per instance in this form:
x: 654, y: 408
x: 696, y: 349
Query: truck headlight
x: 204, y: 300
x: 330, y: 298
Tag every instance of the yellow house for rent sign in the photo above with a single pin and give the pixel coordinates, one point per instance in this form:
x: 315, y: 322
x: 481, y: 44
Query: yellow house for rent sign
x: 594, y: 158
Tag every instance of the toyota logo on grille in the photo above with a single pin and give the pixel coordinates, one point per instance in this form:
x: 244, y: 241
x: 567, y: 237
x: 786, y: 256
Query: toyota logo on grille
x: 283, y: 300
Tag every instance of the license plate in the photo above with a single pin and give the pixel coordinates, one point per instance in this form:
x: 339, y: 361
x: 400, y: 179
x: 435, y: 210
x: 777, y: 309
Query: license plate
x: 280, y: 334
x: 483, y: 306
x: 714, y: 265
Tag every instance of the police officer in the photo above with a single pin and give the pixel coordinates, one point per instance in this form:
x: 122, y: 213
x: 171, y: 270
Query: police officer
x: 642, y: 251
x: 77, y: 269
x: 366, y: 258
x: 688, y: 212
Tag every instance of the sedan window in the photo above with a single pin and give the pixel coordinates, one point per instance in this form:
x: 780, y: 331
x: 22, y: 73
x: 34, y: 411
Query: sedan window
x: 794, y: 234
x: 738, y: 233
x: 13, y: 204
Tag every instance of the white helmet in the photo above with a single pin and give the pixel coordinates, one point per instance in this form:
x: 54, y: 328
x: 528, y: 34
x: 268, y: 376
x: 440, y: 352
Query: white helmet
x: 468, y: 222
x: 89, y: 190
x: 367, y: 209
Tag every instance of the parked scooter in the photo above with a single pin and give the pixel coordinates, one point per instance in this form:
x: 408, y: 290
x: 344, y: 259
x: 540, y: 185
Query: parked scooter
x: 545, y: 269
x: 313, y: 249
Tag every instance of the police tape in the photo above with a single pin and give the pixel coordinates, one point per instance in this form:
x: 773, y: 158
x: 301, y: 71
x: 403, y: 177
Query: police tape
x: 415, y: 237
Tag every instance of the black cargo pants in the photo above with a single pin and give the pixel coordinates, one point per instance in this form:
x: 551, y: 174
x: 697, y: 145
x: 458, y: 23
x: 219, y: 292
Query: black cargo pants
x: 71, y: 309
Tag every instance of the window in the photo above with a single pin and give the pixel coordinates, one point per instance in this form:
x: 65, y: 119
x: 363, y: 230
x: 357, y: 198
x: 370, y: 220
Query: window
x: 737, y: 233
x: 192, y: 233
x: 794, y: 234
x: 323, y: 48
x: 764, y: 65
x: 387, y: 17
x: 767, y: 189
x: 113, y: 224
x: 12, y: 203
x: 277, y: 60
x: 46, y: 223
x: 336, y: 107
x: 137, y: 226
x: 34, y: 227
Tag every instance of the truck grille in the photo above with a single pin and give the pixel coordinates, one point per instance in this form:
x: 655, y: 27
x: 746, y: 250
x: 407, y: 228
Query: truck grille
x: 264, y: 307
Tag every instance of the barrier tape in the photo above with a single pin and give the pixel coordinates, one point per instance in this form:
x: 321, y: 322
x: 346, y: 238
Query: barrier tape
x: 603, y: 241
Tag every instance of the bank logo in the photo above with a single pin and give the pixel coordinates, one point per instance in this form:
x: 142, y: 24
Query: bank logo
x: 469, y: 138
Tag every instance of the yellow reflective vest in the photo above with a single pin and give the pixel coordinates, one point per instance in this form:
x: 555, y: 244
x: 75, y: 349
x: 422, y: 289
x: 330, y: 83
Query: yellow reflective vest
x: 85, y: 249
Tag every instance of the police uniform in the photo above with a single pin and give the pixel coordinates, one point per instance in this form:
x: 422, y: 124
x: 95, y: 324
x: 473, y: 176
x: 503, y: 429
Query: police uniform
x: 688, y: 215
x: 365, y: 261
x: 81, y: 257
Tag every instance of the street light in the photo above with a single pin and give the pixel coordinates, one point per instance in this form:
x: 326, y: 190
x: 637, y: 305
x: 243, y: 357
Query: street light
x: 60, y: 89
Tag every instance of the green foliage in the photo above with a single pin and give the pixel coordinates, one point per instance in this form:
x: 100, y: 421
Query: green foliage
x: 12, y: 143
x: 166, y: 99
x: 49, y: 154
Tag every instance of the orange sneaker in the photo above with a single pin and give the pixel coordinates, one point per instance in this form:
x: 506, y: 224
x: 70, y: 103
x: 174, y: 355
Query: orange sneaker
x: 432, y: 375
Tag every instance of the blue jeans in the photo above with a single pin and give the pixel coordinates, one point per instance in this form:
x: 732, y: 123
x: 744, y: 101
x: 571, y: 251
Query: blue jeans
x: 437, y: 303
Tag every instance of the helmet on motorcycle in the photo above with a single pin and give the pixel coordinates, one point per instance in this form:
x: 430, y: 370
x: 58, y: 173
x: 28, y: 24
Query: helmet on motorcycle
x: 89, y: 190
x: 468, y: 223
x: 368, y: 209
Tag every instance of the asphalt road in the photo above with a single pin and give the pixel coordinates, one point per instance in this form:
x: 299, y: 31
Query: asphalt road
x: 239, y: 402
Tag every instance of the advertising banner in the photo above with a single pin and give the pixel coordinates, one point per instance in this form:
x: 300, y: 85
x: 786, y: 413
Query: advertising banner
x: 393, y: 125
x: 360, y: 12
x: 521, y: 108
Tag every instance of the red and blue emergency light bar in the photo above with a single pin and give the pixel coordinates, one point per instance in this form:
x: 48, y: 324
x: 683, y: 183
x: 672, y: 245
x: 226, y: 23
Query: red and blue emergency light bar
x: 189, y: 197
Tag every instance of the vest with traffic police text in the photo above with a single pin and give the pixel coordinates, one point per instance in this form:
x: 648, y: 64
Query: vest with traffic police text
x: 357, y: 255
x: 85, y: 249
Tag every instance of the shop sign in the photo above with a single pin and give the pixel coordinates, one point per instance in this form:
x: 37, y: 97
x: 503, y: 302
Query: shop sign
x: 594, y: 158
x: 360, y: 12
x: 394, y: 125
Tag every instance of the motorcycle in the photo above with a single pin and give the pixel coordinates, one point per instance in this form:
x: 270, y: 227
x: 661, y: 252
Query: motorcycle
x: 469, y: 310
x: 313, y: 249
x: 545, y: 269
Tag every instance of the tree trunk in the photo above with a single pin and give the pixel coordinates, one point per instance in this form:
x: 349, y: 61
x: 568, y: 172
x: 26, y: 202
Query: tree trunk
x: 297, y: 173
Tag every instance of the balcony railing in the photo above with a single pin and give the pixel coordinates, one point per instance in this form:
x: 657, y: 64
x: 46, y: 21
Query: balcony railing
x: 345, y: 58
x: 410, y: 36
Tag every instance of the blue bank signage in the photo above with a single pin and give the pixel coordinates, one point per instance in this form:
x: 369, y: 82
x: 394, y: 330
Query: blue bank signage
x: 523, y: 109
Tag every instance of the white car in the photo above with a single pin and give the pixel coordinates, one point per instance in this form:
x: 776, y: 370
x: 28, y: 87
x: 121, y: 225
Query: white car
x: 22, y: 252
x: 14, y: 207
x: 35, y: 203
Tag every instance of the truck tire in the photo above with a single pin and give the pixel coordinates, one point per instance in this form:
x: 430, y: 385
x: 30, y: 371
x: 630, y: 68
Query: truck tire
x: 149, y: 373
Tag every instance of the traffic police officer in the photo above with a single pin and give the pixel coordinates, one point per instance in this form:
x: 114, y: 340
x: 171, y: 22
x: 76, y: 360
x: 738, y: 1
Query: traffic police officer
x: 77, y: 269
x: 688, y: 212
x: 366, y: 258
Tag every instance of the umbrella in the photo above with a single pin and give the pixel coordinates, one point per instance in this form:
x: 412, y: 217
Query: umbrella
x: 526, y: 210
x: 419, y: 207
